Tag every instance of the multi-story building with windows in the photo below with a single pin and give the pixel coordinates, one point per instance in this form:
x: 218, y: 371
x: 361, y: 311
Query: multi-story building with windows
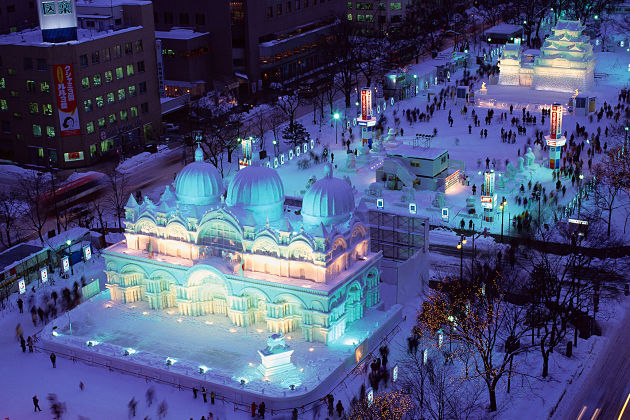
x: 17, y: 15
x: 71, y: 103
x: 376, y: 14
x: 267, y: 41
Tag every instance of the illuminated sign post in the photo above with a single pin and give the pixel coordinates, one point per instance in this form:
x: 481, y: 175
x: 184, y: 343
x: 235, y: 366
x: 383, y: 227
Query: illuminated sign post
x: 87, y: 252
x: 43, y: 274
x: 366, y: 120
x: 65, y: 264
x: 370, y: 397
x: 395, y: 373
x: 22, y: 286
x: 488, y: 197
x: 555, y: 140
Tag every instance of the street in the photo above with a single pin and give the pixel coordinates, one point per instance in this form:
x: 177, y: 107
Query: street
x: 604, y: 392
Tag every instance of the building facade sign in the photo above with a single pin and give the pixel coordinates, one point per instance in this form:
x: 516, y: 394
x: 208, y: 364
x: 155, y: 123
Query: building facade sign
x: 66, y: 100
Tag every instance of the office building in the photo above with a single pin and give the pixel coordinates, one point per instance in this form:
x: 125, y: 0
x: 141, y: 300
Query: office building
x: 88, y: 93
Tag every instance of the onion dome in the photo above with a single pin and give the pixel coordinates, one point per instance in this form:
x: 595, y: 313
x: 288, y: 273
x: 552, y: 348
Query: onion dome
x: 329, y: 201
x: 259, y: 190
x: 199, y: 183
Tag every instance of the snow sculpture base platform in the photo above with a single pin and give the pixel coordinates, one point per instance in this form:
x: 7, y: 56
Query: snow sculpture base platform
x: 276, y: 358
x: 275, y: 363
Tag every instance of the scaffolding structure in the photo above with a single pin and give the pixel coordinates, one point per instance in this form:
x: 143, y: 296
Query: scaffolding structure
x: 398, y: 236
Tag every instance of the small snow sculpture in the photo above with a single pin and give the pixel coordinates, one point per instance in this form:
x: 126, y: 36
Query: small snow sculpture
x: 439, y: 201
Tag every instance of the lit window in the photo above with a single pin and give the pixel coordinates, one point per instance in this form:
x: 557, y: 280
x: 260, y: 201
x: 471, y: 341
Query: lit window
x: 119, y: 73
x: 133, y: 111
x: 15, y: 93
x: 47, y: 109
x: 101, y: 122
x: 37, y: 130
x: 110, y: 98
x: 349, y: 16
x: 89, y: 127
x: 132, y: 90
x: 395, y: 6
x: 139, y: 46
x: 33, y: 108
x: 121, y: 94
x: 112, y: 118
x: 108, y: 76
x: 85, y: 83
x: 123, y: 115
x: 100, y: 102
x: 3, y: 83
x: 50, y: 131
x: 87, y: 105
x: 129, y: 69
x: 44, y: 87
x: 97, y: 79
x: 30, y: 85
x: 3, y: 105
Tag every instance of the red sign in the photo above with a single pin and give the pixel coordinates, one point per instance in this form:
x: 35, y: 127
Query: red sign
x: 66, y: 100
x: 366, y: 104
x: 556, y: 121
x: 486, y: 199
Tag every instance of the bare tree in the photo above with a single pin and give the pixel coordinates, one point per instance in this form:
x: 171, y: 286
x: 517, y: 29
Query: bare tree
x: 34, y: 189
x: 480, y: 321
x: 613, y: 177
x: 11, y: 208
x: 117, y: 195
x: 289, y: 105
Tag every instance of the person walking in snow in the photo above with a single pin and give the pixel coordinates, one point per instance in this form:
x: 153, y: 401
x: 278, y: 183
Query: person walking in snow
x: 29, y: 342
x: 339, y: 408
x: 36, y: 406
x: 20, y: 303
x: 53, y: 359
x: 132, y: 407
x: 253, y: 409
x: 261, y: 410
x: 204, y: 392
x: 150, y: 394
x: 23, y: 344
x: 194, y: 390
x: 212, y: 395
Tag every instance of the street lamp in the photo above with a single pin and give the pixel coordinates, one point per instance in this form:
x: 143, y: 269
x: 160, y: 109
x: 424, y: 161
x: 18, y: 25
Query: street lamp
x: 580, y: 178
x: 460, y: 246
x: 451, y: 319
x: 625, y: 142
x: 68, y: 243
x: 502, y: 208
x: 336, y: 118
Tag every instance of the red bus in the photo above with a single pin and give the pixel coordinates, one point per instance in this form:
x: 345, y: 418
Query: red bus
x: 73, y: 192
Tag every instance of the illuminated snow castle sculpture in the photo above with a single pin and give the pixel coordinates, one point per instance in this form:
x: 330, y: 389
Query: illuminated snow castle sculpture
x: 245, y: 257
x: 566, y: 62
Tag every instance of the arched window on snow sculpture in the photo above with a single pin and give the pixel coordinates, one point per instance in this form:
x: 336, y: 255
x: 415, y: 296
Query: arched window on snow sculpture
x: 220, y: 234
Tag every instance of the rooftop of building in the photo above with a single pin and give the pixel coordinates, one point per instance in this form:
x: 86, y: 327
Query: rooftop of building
x: 110, y: 3
x: 504, y: 29
x: 16, y: 254
x: 33, y: 37
x: 407, y: 150
x: 179, y: 33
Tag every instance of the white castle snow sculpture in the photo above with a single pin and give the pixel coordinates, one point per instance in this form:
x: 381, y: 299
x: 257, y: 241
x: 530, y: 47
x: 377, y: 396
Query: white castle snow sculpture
x: 566, y: 62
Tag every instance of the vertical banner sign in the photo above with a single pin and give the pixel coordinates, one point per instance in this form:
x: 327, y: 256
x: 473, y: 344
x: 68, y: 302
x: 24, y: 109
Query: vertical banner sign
x: 559, y: 120
x: 87, y: 252
x: 370, y: 397
x: 43, y: 274
x: 556, y: 121
x: 366, y: 103
x: 395, y: 373
x: 65, y: 264
x: 66, y: 100
x: 22, y: 286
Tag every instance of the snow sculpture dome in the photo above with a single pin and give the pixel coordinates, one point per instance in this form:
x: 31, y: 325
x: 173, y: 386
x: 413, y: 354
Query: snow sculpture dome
x: 329, y: 201
x: 199, y: 182
x: 259, y: 190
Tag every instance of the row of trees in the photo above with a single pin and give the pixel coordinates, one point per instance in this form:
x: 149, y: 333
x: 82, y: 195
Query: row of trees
x: 474, y: 329
x: 31, y: 207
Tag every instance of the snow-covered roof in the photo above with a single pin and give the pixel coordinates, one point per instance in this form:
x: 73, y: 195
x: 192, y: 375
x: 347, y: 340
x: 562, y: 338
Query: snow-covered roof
x: 17, y: 254
x: 72, y: 234
x: 406, y: 150
x: 504, y: 29
x: 179, y: 33
x: 33, y: 37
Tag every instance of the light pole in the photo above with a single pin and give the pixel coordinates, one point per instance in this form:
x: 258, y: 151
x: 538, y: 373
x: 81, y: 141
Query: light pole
x: 336, y: 118
x: 502, y: 208
x: 536, y: 195
x: 580, y: 178
x: 68, y: 243
x: 625, y: 141
x: 460, y: 246
x: 450, y: 333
